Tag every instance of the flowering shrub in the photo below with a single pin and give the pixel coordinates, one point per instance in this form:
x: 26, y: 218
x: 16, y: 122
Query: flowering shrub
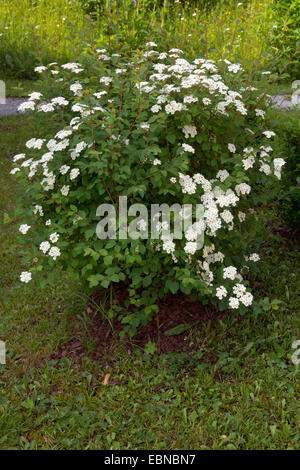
x: 157, y: 129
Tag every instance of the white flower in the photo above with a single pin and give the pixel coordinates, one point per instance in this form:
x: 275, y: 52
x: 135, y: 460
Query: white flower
x: 188, y: 148
x: 187, y: 184
x: 230, y: 272
x: 14, y: 170
x: 25, y: 276
x: 151, y: 44
x: 156, y: 108
x: 248, y: 162
x: 239, y: 290
x: 47, y: 157
x: 278, y: 163
x: 269, y: 134
x: 233, y: 302
x: 99, y: 94
x: 54, y: 252
x: 40, y: 69
x: 80, y: 147
x: 235, y: 68
x: 191, y: 233
x: 242, y: 188
x: 247, y: 299
x: 190, y: 248
x: 24, y: 228
x: 145, y: 126
x: 227, y: 216
x: 65, y: 190
x: 265, y: 168
x: 38, y: 209
x: 260, y: 113
x: 34, y: 96
x: 173, y: 106
x: 60, y: 101
x: 27, y: 163
x: 19, y: 156
x: 51, y: 145
x: 26, y: 105
x: 142, y: 225
x: 168, y: 244
x: 54, y: 237
x: 63, y: 134
x: 163, y: 55
x: 156, y: 162
x: 48, y: 222
x: 254, y: 257
x: 47, y: 108
x: 190, y: 99
x: 119, y: 71
x: 35, y: 143
x: 76, y: 88
x: 189, y: 131
x: 74, y: 173
x: 106, y: 80
x: 74, y: 155
x: 175, y: 51
x: 231, y: 148
x: 77, y: 108
x: 45, y: 246
x: 221, y: 292
x: 64, y: 169
x: 206, y: 101
x: 222, y: 175
x: 73, y: 66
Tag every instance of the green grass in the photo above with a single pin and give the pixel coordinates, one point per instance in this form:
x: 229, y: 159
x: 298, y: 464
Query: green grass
x: 239, y: 391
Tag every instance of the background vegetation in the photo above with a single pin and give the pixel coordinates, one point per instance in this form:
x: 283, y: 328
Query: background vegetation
x: 38, y: 31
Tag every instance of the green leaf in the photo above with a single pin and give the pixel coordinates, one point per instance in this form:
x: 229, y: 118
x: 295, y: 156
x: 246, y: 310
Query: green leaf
x: 108, y: 260
x: 173, y: 286
x: 6, y: 218
x: 179, y: 329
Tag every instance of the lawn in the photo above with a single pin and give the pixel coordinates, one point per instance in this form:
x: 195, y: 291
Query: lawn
x: 239, y: 390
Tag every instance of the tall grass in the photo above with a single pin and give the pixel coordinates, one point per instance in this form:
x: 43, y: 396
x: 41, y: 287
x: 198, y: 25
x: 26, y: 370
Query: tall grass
x: 34, y: 31
x: 235, y: 30
x: 26, y: 25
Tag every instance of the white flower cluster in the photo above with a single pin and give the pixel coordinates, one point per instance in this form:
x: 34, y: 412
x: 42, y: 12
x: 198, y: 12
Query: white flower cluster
x: 53, y: 251
x: 189, y: 131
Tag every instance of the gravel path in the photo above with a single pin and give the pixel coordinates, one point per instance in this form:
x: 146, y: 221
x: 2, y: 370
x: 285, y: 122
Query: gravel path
x: 11, y: 105
x: 282, y: 101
